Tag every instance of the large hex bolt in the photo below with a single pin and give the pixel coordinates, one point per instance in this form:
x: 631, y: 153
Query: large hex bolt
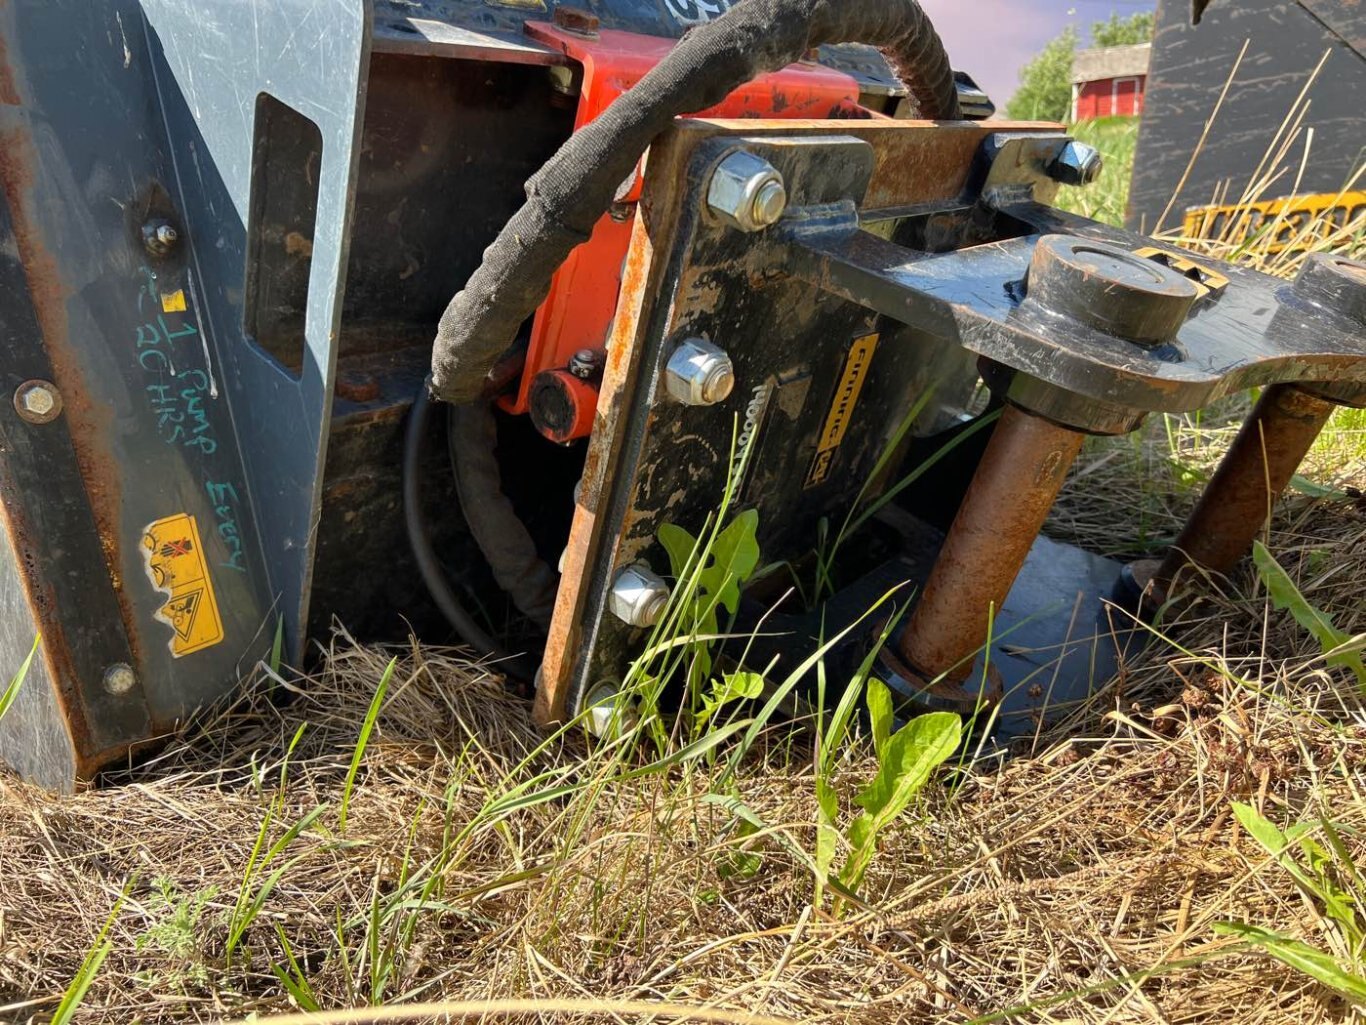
x: 638, y: 596
x: 1076, y: 164
x: 1273, y: 442
x: 699, y: 373
x: 38, y: 402
x: 746, y: 192
x: 1026, y: 462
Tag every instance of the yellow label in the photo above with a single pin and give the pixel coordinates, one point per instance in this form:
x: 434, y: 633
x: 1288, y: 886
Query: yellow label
x: 1204, y: 278
x: 175, y: 562
x: 173, y: 302
x: 841, y: 413
x: 1298, y: 222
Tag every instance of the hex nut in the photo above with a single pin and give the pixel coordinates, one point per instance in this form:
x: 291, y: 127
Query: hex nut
x: 38, y: 402
x: 119, y: 679
x: 699, y: 373
x: 638, y: 596
x: 607, y: 709
x: 746, y: 192
x: 1076, y: 164
x: 577, y: 20
x: 160, y: 237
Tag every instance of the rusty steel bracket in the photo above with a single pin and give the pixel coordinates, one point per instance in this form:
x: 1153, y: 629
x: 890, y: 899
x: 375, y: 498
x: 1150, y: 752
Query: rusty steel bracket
x: 926, y: 255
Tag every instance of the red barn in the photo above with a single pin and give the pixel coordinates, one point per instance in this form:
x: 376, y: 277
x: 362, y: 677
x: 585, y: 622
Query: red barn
x: 1110, y: 81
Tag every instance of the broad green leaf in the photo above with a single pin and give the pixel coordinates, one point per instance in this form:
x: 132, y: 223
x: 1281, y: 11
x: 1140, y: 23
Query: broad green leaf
x: 679, y: 545
x: 1317, y: 882
x: 1315, y: 963
x: 880, y: 711
x: 827, y: 837
x: 1261, y: 829
x: 917, y: 749
x: 910, y: 757
x: 734, y: 558
x: 731, y: 687
x: 1286, y: 596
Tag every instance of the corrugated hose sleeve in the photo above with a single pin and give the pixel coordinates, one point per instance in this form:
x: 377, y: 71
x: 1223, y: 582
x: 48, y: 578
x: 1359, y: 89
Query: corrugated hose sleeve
x: 568, y: 196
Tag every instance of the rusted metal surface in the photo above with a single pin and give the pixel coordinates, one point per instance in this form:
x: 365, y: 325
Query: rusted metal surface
x: 1011, y: 494
x: 1238, y: 500
x: 640, y: 278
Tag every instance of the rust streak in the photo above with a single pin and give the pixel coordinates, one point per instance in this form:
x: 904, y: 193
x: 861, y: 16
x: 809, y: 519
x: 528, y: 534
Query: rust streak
x: 1010, y: 496
x: 89, y: 421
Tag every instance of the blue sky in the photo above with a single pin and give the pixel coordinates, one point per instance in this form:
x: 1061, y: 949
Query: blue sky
x: 993, y: 39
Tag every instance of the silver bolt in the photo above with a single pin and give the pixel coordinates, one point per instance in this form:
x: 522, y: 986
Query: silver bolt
x: 159, y: 237
x: 119, y: 679
x: 585, y: 363
x: 746, y: 192
x: 38, y: 402
x: 607, y: 710
x: 638, y: 596
x: 699, y: 373
x: 1076, y: 164
x: 562, y: 80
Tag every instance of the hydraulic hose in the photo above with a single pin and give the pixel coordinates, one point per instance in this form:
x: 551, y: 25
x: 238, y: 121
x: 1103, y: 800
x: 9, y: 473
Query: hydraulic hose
x: 567, y: 197
x: 428, y: 565
x: 507, y: 545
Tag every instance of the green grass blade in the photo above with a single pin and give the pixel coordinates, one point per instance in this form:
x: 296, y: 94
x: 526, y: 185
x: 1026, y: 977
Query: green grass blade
x: 90, y: 967
x: 1314, y: 963
x: 12, y: 690
x: 367, y: 727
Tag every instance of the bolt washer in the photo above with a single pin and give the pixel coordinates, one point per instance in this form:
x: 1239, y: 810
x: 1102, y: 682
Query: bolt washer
x: 38, y: 401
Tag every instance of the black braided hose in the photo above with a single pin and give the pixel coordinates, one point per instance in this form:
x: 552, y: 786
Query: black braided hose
x: 568, y: 196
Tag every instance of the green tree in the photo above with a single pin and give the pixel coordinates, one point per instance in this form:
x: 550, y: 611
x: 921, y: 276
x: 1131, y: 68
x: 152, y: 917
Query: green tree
x: 1045, y: 92
x: 1117, y: 31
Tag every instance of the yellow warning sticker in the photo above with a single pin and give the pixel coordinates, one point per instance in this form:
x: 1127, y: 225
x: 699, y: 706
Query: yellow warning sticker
x: 175, y: 562
x: 173, y: 302
x: 1299, y: 223
x: 841, y: 413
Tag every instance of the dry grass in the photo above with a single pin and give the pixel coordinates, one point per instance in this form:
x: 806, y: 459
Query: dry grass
x: 1102, y: 859
x: 1077, y: 885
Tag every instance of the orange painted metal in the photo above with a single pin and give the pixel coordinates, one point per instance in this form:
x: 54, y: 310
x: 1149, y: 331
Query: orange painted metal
x: 578, y: 311
x: 574, y: 403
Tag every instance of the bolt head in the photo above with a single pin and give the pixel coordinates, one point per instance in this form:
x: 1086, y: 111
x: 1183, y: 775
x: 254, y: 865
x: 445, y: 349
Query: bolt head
x: 119, y: 679
x: 608, y: 713
x: 699, y: 373
x: 746, y: 192
x: 1077, y: 164
x: 769, y: 203
x: 577, y: 20
x: 38, y: 402
x: 638, y: 596
x: 585, y: 363
x: 159, y: 236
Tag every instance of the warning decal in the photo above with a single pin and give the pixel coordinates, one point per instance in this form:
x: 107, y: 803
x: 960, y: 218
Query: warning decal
x: 175, y: 563
x: 842, y: 408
